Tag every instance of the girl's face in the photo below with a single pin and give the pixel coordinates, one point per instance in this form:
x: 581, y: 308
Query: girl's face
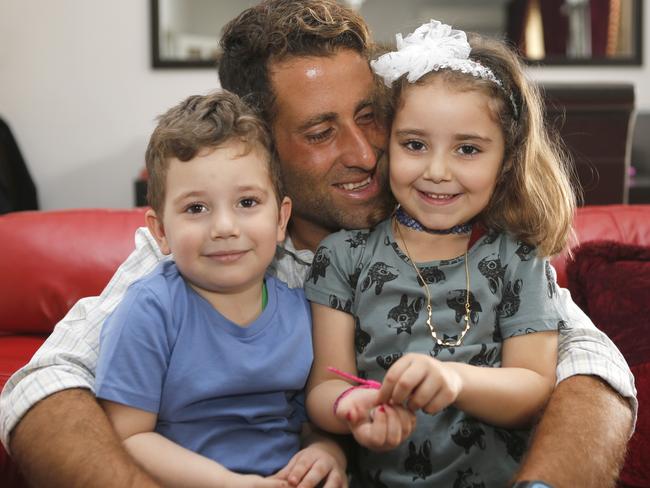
x: 446, y: 152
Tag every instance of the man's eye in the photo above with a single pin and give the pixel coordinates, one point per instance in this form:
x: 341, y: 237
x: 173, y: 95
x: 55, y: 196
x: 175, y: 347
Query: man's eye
x: 468, y: 150
x: 319, y: 136
x: 196, y: 208
x: 414, y: 146
x: 366, y: 118
x: 248, y: 202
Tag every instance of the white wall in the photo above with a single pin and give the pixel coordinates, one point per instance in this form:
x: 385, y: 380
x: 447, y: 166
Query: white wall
x: 78, y: 91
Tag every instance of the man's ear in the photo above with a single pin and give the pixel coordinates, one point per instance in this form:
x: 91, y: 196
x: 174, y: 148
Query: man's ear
x: 283, y: 218
x: 155, y: 225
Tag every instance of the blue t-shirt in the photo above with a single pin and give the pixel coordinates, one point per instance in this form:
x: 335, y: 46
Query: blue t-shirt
x: 233, y: 394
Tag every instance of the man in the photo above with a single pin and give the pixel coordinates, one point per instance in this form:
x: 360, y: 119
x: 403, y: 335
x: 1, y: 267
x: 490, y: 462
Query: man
x: 304, y: 65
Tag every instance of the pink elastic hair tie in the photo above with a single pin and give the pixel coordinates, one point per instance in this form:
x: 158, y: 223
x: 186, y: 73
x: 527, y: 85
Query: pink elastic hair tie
x: 363, y: 385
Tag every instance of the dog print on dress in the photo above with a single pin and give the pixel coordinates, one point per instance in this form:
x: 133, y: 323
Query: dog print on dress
x: 515, y: 444
x: 490, y: 267
x: 550, y: 278
x: 402, y: 317
x: 468, y: 479
x: 485, y: 357
x: 319, y: 264
x: 456, y: 301
x: 524, y: 251
x: 388, y: 360
x: 510, y: 302
x: 378, y: 275
x: 468, y: 433
x: 418, y: 461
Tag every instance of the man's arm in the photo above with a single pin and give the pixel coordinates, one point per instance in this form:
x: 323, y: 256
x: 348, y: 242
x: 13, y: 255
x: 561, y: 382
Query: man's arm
x: 66, y: 440
x: 581, y: 438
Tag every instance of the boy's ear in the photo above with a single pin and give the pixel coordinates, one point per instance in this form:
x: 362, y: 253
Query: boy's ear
x: 283, y: 218
x: 155, y: 225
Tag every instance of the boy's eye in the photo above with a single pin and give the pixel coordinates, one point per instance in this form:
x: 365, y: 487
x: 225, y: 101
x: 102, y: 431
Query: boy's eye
x: 414, y: 146
x: 468, y: 150
x: 196, y: 208
x: 248, y: 202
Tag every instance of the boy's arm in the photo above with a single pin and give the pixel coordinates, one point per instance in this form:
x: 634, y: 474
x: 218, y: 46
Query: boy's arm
x: 169, y: 463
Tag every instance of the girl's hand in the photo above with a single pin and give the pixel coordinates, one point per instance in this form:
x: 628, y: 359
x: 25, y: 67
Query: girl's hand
x: 379, y: 427
x: 312, y: 465
x: 421, y: 382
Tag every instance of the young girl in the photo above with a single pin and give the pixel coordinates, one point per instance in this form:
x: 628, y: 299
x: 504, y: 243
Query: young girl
x: 449, y: 307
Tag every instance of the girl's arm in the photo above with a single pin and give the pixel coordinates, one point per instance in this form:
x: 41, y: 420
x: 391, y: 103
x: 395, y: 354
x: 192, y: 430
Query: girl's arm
x: 516, y: 393
x: 333, y: 338
x: 168, y: 462
x: 384, y: 427
x: 509, y: 396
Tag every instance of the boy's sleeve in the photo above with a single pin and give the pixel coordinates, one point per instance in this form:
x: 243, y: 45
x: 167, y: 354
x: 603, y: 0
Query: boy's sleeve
x: 134, y: 351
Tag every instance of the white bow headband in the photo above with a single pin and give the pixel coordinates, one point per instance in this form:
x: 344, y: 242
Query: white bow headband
x: 431, y: 47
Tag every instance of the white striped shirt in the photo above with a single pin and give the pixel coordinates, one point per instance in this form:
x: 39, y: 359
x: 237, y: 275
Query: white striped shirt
x: 68, y: 358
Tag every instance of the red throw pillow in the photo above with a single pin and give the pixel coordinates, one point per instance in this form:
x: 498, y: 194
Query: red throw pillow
x: 610, y: 281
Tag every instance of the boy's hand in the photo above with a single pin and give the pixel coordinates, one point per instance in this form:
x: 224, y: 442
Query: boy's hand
x: 312, y: 465
x: 377, y: 426
x: 420, y: 382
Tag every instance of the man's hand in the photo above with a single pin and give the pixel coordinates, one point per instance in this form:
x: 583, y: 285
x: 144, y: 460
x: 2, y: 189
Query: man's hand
x: 66, y: 440
x: 312, y: 465
x: 380, y: 427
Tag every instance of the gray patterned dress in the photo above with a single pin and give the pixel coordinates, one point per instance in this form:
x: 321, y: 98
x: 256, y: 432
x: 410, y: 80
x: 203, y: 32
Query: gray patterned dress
x: 512, y: 292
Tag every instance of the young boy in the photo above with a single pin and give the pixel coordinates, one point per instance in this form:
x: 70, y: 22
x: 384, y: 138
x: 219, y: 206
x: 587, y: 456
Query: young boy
x: 202, y: 365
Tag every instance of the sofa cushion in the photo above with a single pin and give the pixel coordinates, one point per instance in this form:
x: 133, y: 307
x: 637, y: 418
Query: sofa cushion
x: 611, y: 283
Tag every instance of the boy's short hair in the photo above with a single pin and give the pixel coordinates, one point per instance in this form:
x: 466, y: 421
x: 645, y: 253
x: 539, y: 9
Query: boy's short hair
x: 204, y: 122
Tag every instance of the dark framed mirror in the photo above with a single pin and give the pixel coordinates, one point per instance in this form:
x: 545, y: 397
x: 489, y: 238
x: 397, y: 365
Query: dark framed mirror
x: 185, y: 33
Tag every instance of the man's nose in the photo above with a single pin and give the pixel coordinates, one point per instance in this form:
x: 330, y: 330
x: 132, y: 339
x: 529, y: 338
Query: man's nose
x: 357, y: 148
x: 223, y: 224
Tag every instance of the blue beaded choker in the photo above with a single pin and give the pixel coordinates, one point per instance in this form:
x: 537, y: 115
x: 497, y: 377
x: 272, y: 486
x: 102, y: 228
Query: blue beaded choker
x: 405, y: 219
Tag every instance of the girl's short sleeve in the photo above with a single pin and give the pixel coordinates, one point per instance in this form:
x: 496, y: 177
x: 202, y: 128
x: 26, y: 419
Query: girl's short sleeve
x: 332, y: 277
x: 529, y: 301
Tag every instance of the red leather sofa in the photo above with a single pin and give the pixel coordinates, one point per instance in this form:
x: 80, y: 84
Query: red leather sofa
x: 49, y: 260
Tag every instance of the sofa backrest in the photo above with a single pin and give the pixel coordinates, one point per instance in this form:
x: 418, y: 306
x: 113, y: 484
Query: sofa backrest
x: 49, y: 260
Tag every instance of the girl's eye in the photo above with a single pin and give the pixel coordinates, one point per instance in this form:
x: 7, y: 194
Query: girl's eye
x: 468, y: 150
x: 414, y: 146
x: 248, y: 202
x: 319, y: 136
x: 196, y: 208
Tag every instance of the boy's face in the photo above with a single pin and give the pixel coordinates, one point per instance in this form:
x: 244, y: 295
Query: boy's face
x: 221, y: 218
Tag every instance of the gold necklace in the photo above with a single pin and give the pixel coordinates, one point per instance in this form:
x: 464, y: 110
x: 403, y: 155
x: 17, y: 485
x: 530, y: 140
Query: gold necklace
x: 468, y: 310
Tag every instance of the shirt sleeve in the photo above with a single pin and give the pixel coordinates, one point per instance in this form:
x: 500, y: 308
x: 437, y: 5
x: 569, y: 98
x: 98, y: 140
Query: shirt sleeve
x: 68, y: 357
x: 135, y: 346
x: 585, y: 350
